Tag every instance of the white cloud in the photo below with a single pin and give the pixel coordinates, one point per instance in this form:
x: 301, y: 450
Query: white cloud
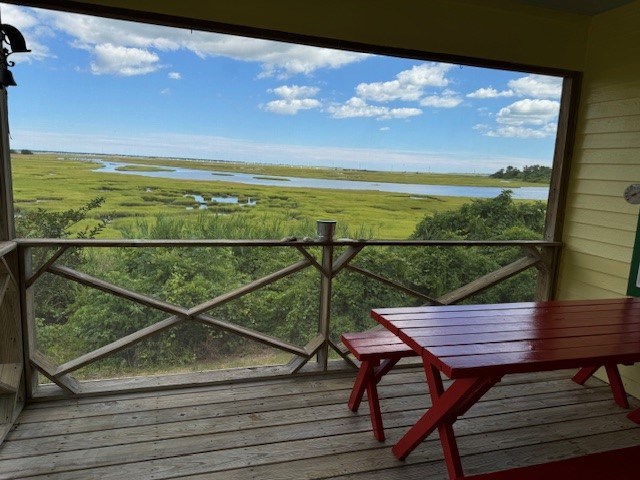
x: 385, y: 129
x: 529, y: 112
x: 537, y: 86
x: 295, y: 91
x: 388, y: 91
x: 528, y: 118
x: 292, y: 106
x: 357, y: 108
x: 426, y: 75
x: 29, y: 25
x: 490, y: 92
x: 165, y: 91
x: 174, y: 75
x: 408, y: 85
x: 533, y: 117
x: 276, y: 58
x: 116, y: 60
x: 483, y: 127
x: 447, y: 99
x: 19, y: 17
x: 515, y: 131
x: 293, y: 99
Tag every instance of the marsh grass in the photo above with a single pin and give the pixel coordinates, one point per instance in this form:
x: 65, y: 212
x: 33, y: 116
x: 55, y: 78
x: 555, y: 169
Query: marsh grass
x: 56, y: 183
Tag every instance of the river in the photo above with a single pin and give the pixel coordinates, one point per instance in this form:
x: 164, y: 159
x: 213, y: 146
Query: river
x: 522, y: 193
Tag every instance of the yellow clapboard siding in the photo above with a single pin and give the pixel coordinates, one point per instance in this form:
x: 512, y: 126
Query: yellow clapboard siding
x: 612, y: 171
x: 621, y: 156
x: 603, y: 234
x: 602, y: 204
x: 611, y: 125
x: 606, y: 250
x: 630, y: 139
x: 619, y: 221
x: 593, y: 262
x: 608, y: 188
x: 604, y: 90
x: 581, y: 290
x: 598, y: 279
x: 616, y: 108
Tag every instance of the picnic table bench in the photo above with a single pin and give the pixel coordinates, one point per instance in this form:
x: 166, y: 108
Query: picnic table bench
x: 378, y: 352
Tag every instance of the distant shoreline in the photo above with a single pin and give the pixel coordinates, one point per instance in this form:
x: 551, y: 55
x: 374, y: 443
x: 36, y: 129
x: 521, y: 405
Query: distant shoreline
x: 348, y: 184
x: 263, y: 168
x: 330, y: 173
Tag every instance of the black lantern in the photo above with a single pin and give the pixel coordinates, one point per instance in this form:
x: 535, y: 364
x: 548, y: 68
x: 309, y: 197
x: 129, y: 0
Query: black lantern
x: 12, y: 42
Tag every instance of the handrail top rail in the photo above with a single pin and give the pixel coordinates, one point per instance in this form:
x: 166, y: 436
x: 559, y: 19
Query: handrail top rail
x: 288, y: 242
x: 7, y: 247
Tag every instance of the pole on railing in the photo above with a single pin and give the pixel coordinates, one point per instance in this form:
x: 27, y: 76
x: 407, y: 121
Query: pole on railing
x: 28, y: 319
x: 326, y: 230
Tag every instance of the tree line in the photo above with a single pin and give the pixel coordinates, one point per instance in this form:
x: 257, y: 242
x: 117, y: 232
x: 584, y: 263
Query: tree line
x: 529, y: 173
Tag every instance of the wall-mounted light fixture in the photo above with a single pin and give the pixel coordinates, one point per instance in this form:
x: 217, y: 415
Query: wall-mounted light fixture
x: 12, y: 41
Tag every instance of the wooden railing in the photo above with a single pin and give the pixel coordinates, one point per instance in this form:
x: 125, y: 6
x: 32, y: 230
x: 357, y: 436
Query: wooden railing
x: 11, y: 357
x: 317, y: 254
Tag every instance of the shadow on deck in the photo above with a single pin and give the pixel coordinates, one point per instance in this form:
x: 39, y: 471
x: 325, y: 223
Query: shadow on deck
x: 300, y: 428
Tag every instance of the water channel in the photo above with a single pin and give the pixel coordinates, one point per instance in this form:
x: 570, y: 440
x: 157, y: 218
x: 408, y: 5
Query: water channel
x: 523, y: 193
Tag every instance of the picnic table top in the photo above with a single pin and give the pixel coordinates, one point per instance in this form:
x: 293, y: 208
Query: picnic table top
x: 498, y: 339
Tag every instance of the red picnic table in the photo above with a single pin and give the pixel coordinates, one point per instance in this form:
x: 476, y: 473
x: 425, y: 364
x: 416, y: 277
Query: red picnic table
x: 476, y: 345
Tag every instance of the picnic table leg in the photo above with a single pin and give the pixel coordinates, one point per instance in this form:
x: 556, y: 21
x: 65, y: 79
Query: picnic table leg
x: 368, y: 377
x: 634, y: 416
x: 365, y: 374
x: 384, y: 368
x: 445, y: 429
x: 463, y: 392
x: 374, y: 410
x: 617, y: 387
x: 584, y: 374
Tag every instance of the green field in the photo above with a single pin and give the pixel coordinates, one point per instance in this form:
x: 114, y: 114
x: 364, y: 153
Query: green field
x: 61, y: 181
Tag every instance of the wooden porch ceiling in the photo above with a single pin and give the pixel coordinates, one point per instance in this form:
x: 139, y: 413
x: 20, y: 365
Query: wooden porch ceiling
x: 297, y: 428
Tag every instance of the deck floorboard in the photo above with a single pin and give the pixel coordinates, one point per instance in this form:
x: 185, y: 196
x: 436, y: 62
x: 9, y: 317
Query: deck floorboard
x: 300, y: 428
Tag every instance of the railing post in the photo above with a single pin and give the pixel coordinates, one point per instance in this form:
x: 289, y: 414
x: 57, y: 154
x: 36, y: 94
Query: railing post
x: 547, y: 274
x: 28, y: 319
x: 326, y: 230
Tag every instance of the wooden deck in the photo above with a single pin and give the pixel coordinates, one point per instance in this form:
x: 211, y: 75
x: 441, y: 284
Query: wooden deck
x: 300, y: 428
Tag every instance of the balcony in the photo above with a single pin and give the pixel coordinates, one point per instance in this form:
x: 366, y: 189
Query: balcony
x: 279, y: 421
x: 295, y: 428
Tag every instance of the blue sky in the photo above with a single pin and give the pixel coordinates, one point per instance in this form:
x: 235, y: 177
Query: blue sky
x: 105, y: 86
